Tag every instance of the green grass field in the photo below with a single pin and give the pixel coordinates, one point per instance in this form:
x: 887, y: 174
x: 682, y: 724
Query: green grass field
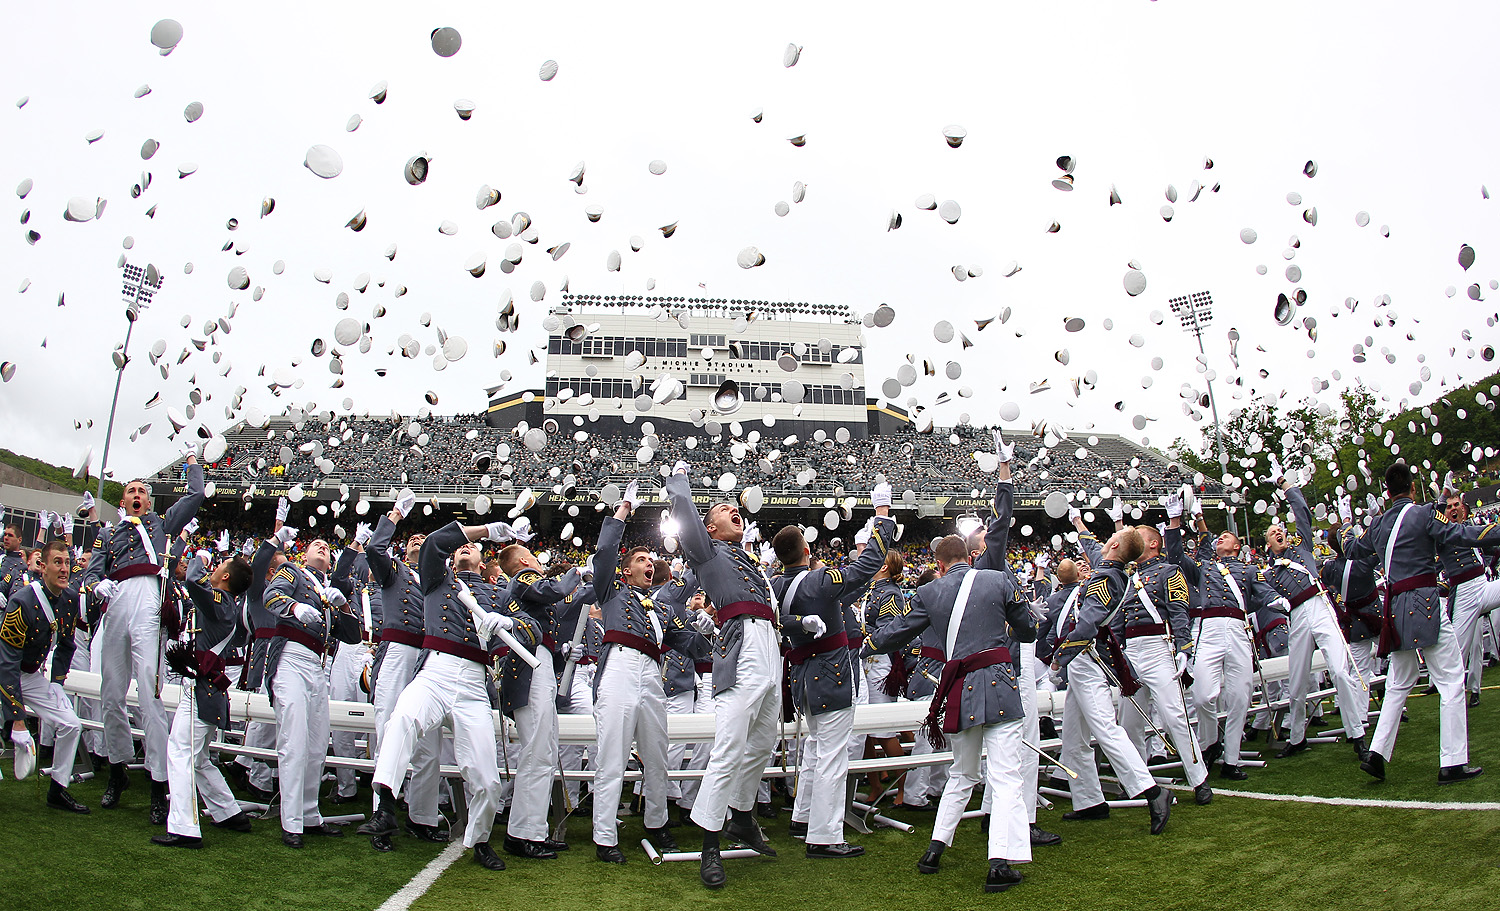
x: 1237, y: 853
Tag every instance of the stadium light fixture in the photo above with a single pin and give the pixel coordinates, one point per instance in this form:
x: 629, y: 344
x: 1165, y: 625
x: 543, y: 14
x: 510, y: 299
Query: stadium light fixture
x: 967, y: 524
x: 139, y: 286
x: 1195, y: 311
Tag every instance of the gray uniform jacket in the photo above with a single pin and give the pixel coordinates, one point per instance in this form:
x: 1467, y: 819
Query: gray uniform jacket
x: 1352, y: 582
x: 1167, y: 588
x: 680, y: 671
x: 1046, y: 641
x: 1412, y: 602
x: 260, y: 621
x: 12, y: 573
x: 402, y: 614
x: 26, y: 635
x: 1294, y: 573
x: 821, y: 674
x: 1095, y: 611
x: 218, y: 632
x: 290, y: 586
x: 987, y: 695
x: 1206, y: 570
x: 539, y: 598
x: 728, y: 574
x: 120, y: 548
x: 627, y: 611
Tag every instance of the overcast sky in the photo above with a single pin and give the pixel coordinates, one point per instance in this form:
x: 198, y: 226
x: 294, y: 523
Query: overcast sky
x: 1393, y: 101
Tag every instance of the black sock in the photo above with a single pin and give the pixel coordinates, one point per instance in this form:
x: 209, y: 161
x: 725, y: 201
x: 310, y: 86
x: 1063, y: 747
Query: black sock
x: 741, y: 817
x: 935, y: 846
x: 118, y: 772
x: 158, y: 788
x: 710, y: 841
x: 387, y: 799
x: 1152, y: 792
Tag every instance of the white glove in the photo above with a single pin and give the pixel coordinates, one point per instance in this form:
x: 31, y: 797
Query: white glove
x: 680, y: 467
x: 1282, y: 605
x: 205, y: 558
x: 1277, y: 474
x: 306, y: 614
x: 488, y: 625
x: 522, y: 530
x: 334, y: 597
x: 1055, y: 676
x: 363, y: 533
x: 588, y: 568
x: 1074, y: 514
x: 88, y: 502
x: 752, y: 533
x: 1182, y: 663
x: 22, y: 738
x: 1197, y: 507
x: 632, y: 495
x: 815, y: 626
x: 862, y: 537
x: 499, y: 532
x: 190, y: 450
x: 44, y: 520
x: 283, y: 509
x: 767, y: 555
x: 1450, y: 484
x: 405, y: 501
x: 1174, y: 505
x: 567, y: 649
x: 881, y: 494
x: 60, y: 523
x: 192, y: 526
x: 1116, y: 510
x: 286, y: 535
x: 25, y: 753
x: 106, y: 588
x: 1004, y: 451
x: 1346, y: 510
x: 703, y: 623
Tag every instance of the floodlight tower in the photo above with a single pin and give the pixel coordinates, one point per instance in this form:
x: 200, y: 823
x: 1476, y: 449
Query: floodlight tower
x: 1195, y: 311
x: 137, y: 289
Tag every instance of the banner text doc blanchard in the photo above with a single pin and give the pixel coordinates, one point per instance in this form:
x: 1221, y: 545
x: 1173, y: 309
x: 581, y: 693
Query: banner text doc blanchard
x: 950, y: 505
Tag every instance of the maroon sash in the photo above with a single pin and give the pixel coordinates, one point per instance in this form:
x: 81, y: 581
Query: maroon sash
x: 1390, y: 640
x: 798, y: 655
x: 630, y: 640
x: 940, y: 720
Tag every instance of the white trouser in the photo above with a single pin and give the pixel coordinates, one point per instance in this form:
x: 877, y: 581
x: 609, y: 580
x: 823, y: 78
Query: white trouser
x: 683, y: 703
x: 536, y: 725
x: 1471, y: 601
x: 629, y: 706
x: 1313, y: 624
x: 856, y: 743
x: 1155, y: 667
x: 1445, y: 668
x: 301, y: 695
x: 1090, y: 711
x: 704, y: 705
x: 579, y: 700
x: 1031, y: 760
x: 1222, y: 673
x: 344, y: 672
x: 1364, y: 658
x: 876, y: 669
x: 820, y: 783
x: 188, y: 765
x: 923, y: 783
x: 261, y: 735
x: 397, y: 668
x: 130, y: 646
x: 47, y: 701
x: 452, y: 688
x: 1010, y: 835
x: 87, y: 709
x: 746, y: 718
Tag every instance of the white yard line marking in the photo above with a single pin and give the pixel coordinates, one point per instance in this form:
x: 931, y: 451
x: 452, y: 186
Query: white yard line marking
x: 1353, y: 801
x: 424, y: 879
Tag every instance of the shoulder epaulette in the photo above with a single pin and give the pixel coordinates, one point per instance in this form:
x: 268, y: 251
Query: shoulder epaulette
x: 1099, y: 589
x: 528, y: 576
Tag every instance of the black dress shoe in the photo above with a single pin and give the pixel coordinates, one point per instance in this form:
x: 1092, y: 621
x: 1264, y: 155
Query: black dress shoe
x: 291, y: 839
x: 424, y: 832
x: 382, y: 822
x: 1212, y: 752
x: 339, y: 799
x: 1161, y: 808
x: 1360, y: 748
x: 751, y: 836
x: 326, y: 829
x: 1203, y: 794
x: 533, y: 850
x: 1318, y: 722
x: 59, y: 799
x: 928, y: 807
x: 160, y: 809
x: 711, y: 869
x: 1097, y: 811
x: 1156, y: 760
x: 239, y: 822
x: 1001, y: 877
x: 119, y: 780
x: 258, y: 795
x: 610, y: 854
x: 1474, y: 700
x: 382, y: 843
x: 485, y: 856
x: 765, y: 810
x: 1251, y: 736
x: 797, y: 829
x: 662, y: 839
x: 1375, y: 764
x: 1233, y: 773
x: 842, y: 849
x: 171, y: 840
x: 1452, y: 773
x: 932, y: 859
x: 1292, y: 749
x: 552, y: 844
x: 1041, y: 838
